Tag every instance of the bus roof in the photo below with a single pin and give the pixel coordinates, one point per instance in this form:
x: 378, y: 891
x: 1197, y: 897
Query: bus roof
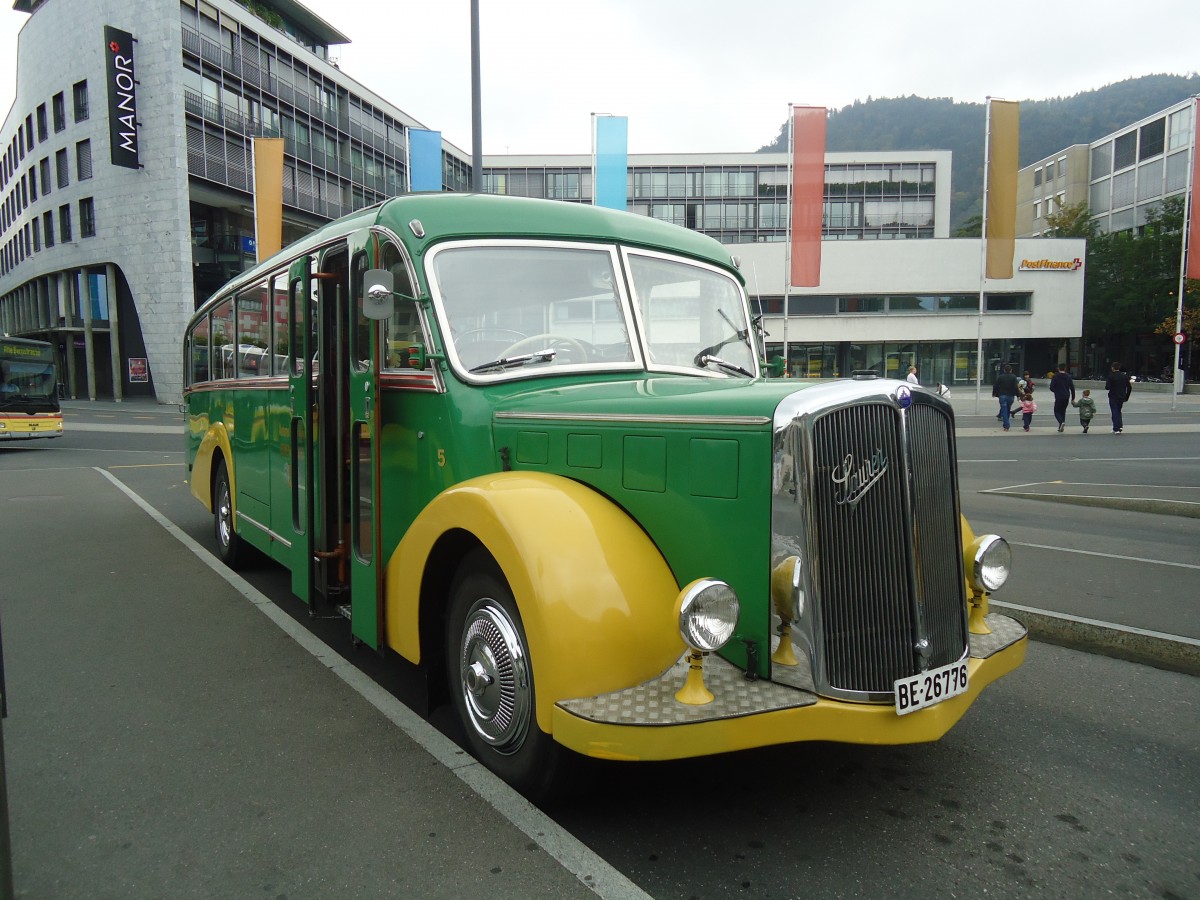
x: 451, y: 216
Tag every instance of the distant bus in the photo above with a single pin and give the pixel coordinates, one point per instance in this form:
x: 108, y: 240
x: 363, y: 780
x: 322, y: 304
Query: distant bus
x: 529, y: 447
x: 28, y: 390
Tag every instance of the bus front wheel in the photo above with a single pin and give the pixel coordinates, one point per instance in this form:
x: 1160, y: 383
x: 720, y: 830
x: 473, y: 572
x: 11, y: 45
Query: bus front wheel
x: 491, y: 684
x: 229, y: 545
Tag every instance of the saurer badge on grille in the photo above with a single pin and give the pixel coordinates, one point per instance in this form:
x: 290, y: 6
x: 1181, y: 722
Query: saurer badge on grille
x: 856, y: 478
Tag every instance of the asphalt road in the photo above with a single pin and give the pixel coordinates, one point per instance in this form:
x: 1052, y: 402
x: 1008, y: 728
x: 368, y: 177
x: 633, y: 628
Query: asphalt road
x: 167, y: 739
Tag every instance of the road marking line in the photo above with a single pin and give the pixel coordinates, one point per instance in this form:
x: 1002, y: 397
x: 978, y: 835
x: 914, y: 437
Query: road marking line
x: 1179, y: 638
x: 590, y: 869
x: 1141, y: 559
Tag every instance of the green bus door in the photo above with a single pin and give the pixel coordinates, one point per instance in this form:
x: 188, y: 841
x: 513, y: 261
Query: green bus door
x: 299, y: 440
x: 366, y: 569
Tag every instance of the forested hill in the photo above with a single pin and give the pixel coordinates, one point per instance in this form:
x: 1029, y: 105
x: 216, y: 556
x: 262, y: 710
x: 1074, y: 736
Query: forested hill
x: 1047, y: 126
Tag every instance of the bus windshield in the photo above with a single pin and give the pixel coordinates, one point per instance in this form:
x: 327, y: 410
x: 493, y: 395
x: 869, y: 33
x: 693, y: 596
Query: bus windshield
x: 513, y: 307
x: 23, y: 381
x: 523, y: 309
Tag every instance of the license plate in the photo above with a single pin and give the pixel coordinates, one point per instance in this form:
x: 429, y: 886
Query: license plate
x: 930, y: 687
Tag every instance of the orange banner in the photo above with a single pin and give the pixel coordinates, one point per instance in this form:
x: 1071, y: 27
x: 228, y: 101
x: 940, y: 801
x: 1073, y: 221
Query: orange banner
x: 808, y: 193
x: 1000, y: 228
x: 268, y: 196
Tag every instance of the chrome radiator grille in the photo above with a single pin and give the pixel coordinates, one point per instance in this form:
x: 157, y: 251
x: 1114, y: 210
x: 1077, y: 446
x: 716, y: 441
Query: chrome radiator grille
x: 878, y: 502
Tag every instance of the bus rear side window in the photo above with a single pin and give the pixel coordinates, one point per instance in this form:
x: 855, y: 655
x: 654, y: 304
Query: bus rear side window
x: 198, y: 349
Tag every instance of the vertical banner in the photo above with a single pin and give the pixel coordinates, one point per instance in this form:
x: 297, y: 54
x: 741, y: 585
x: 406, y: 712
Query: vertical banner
x: 610, y: 149
x: 808, y: 194
x: 1000, y: 221
x: 122, y: 98
x: 268, y: 197
x: 1193, y: 223
x: 424, y: 160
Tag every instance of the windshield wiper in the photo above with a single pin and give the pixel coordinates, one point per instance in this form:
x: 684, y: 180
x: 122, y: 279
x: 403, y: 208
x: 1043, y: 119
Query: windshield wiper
x: 515, y: 362
x: 705, y: 358
x: 708, y: 352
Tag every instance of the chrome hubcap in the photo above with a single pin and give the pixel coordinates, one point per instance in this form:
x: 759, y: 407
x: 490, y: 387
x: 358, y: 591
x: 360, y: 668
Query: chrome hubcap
x: 224, y: 515
x: 494, y: 677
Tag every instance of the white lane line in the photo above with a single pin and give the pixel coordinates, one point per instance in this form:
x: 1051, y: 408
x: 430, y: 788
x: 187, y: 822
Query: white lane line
x: 1140, y: 559
x: 590, y: 869
x: 1075, y: 459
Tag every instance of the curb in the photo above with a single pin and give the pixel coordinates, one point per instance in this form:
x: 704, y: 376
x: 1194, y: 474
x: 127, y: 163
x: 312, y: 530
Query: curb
x: 1163, y: 651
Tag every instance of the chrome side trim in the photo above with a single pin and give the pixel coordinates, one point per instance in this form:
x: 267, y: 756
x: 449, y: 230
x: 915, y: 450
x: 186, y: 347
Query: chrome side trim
x: 263, y: 528
x: 634, y: 418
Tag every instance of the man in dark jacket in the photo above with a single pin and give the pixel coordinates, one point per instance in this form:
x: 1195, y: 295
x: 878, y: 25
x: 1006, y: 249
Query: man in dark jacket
x: 1005, y: 389
x: 1119, y: 388
x: 1062, y: 386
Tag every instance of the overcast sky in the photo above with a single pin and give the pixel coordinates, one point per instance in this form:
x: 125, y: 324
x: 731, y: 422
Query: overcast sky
x: 701, y: 76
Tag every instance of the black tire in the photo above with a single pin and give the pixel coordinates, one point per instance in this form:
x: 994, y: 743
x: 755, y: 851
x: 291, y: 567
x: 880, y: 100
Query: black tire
x: 490, y: 679
x: 230, y: 548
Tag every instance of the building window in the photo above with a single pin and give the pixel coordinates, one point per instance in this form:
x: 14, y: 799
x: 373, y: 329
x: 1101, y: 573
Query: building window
x: 60, y: 112
x: 29, y: 133
x: 1124, y: 151
x: 33, y: 193
x: 83, y: 160
x: 1153, y: 138
x: 64, y: 223
x: 44, y: 166
x: 37, y: 234
x: 62, y: 167
x: 80, y: 93
x: 48, y: 228
x: 43, y: 131
x: 87, y: 218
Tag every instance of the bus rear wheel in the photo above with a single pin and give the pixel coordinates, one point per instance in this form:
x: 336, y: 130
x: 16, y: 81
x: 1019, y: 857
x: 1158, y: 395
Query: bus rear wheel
x: 491, y: 683
x: 229, y: 546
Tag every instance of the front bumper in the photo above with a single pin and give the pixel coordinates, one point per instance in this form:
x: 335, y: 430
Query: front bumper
x: 646, y: 722
x: 24, y: 427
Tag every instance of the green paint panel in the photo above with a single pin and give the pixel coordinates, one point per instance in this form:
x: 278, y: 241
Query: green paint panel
x: 714, y: 468
x: 533, y: 448
x: 585, y: 451
x: 644, y: 463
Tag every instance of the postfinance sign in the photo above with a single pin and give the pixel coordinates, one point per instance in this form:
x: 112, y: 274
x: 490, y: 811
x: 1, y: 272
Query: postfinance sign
x: 1051, y: 265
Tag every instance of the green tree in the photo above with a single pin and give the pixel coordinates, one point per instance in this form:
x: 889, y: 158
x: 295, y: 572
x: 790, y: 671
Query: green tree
x: 1131, y: 279
x: 972, y: 228
x: 1074, y: 221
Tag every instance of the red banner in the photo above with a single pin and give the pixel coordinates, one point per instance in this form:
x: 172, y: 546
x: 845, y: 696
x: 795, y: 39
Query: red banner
x: 808, y: 193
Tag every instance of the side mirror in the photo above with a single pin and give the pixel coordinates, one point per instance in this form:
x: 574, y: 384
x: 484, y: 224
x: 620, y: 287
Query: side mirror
x: 377, y: 294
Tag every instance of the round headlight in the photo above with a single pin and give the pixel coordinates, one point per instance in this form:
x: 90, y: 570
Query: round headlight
x: 708, y: 613
x: 993, y: 561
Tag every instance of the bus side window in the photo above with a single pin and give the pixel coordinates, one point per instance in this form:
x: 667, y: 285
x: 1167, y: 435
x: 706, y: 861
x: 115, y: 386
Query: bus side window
x: 254, y: 335
x: 223, y: 337
x: 403, y: 329
x: 277, y: 294
x: 198, y: 349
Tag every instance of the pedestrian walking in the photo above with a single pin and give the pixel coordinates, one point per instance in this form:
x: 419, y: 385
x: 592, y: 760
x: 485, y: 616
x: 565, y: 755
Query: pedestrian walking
x: 1062, y: 386
x: 1119, y: 388
x: 1005, y: 389
x: 1087, y: 409
x: 1028, y: 408
x: 912, y: 375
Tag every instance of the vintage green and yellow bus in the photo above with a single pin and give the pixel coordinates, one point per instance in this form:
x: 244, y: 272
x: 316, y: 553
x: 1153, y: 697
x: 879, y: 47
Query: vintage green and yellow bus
x: 28, y: 390
x: 528, y: 446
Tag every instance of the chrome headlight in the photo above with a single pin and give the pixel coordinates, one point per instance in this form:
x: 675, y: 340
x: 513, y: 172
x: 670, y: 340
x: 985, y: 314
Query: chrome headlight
x: 993, y: 562
x: 708, y: 613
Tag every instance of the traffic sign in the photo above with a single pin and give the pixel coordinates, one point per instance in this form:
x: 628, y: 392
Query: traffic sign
x: 1179, y: 337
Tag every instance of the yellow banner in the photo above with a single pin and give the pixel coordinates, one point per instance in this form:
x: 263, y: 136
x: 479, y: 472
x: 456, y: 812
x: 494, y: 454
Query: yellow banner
x: 268, y: 196
x: 1000, y: 228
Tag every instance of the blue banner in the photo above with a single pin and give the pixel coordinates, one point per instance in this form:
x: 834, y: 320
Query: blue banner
x: 612, y: 161
x: 424, y: 160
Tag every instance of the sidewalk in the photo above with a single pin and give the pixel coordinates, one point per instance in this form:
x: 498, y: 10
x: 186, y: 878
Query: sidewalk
x: 166, y: 738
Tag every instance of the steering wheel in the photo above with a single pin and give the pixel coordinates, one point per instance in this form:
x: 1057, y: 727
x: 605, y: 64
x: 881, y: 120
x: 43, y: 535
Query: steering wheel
x: 542, y: 341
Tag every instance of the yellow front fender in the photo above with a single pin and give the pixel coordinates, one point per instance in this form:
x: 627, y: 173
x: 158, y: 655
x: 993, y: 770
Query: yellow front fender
x: 595, y: 595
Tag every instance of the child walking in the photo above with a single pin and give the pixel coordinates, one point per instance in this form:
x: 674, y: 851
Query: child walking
x: 1028, y: 408
x: 1087, y: 409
